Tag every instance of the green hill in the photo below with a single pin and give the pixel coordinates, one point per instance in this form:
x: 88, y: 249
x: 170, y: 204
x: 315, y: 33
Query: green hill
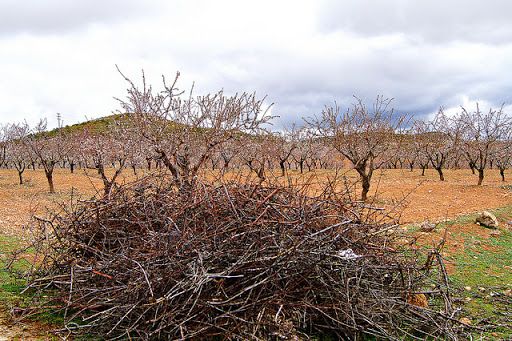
x: 96, y: 126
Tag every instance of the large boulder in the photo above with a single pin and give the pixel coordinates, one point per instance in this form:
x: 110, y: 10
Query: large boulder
x: 487, y: 219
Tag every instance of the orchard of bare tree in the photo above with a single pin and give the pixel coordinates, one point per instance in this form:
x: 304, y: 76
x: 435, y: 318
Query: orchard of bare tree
x: 191, y: 216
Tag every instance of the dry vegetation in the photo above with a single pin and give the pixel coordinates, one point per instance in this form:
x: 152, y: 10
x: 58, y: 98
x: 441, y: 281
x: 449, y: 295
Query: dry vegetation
x: 188, y: 218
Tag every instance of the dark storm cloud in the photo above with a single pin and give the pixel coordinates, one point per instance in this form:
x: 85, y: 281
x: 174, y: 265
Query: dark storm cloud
x: 62, y: 16
x: 421, y: 77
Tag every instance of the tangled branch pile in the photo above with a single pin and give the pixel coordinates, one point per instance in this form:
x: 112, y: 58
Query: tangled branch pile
x: 237, y: 261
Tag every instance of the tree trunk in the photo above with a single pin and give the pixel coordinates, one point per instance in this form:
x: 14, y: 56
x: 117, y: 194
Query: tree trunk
x: 49, y: 177
x: 20, y: 175
x: 72, y: 167
x: 282, y: 166
x: 301, y: 165
x: 440, y: 171
x: 480, y: 176
x: 423, y: 170
x: 107, y: 184
x: 365, y: 181
x: 502, y: 173
x: 261, y: 172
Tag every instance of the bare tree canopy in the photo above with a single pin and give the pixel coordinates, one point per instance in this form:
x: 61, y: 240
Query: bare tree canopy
x: 362, y: 135
x: 183, y: 132
x: 480, y: 135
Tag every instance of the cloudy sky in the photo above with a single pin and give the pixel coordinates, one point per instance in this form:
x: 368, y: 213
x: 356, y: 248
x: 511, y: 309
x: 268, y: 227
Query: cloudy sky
x: 59, y: 56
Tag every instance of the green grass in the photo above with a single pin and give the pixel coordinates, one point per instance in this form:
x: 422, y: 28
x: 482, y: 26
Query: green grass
x: 96, y: 126
x: 11, y: 287
x: 11, y: 291
x: 483, y: 275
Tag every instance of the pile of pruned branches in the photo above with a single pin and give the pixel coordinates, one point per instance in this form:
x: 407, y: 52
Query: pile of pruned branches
x: 235, y: 261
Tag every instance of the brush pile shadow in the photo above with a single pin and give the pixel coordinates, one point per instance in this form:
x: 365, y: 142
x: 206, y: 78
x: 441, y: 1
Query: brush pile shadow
x: 236, y: 261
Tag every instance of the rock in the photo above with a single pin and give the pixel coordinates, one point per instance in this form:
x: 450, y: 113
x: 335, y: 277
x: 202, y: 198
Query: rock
x: 495, y: 233
x: 467, y: 288
x: 427, y: 226
x: 487, y: 219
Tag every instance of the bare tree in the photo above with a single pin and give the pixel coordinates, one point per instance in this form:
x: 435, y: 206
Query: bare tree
x: 503, y: 156
x: 48, y: 148
x: 318, y: 151
x: 18, y: 153
x: 72, y: 157
x: 436, y: 141
x: 257, y: 153
x: 4, y: 139
x: 409, y: 152
x: 184, y: 133
x: 282, y: 145
x: 105, y: 150
x: 228, y: 153
x: 480, y: 134
x: 307, y: 152
x: 362, y: 135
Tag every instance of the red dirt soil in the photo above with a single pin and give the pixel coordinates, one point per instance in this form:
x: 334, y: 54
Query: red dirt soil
x: 426, y: 197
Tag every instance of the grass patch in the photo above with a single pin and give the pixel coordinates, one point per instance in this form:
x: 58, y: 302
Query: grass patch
x: 482, y: 275
x: 11, y: 287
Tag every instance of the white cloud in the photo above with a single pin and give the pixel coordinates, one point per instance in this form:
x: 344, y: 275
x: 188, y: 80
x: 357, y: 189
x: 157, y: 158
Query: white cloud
x: 59, y: 57
x: 425, y: 20
x: 61, y: 16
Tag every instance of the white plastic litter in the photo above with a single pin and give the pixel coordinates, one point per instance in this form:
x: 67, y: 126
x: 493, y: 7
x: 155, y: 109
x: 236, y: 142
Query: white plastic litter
x: 348, y: 254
